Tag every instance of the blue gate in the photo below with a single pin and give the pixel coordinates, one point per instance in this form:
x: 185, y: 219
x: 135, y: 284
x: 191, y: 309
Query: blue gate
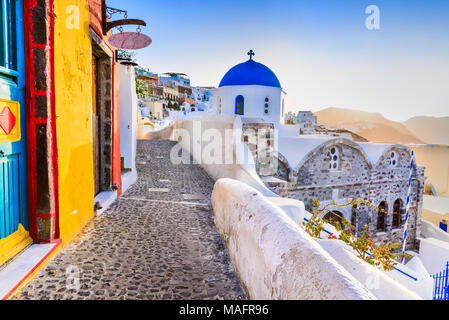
x: 441, y: 291
x: 13, y: 147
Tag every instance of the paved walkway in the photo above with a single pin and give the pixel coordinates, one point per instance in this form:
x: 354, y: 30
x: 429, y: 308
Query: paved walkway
x: 158, y: 241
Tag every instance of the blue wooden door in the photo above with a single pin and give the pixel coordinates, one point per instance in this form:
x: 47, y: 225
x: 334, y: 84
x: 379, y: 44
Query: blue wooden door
x: 13, y: 158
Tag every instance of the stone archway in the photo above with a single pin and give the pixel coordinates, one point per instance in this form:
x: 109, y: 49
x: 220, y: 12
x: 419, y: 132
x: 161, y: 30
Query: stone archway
x: 335, y: 217
x: 398, y: 209
x: 382, y: 217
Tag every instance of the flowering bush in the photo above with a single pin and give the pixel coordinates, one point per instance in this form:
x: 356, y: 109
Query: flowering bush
x: 364, y: 247
x: 362, y: 243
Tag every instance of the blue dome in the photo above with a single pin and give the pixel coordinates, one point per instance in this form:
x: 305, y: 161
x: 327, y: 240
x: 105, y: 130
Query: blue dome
x: 250, y: 73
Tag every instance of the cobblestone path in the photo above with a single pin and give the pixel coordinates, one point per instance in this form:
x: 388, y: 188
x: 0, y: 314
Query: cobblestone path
x: 158, y: 241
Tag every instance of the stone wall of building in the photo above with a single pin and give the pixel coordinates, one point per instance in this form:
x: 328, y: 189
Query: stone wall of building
x: 353, y: 167
x: 356, y: 178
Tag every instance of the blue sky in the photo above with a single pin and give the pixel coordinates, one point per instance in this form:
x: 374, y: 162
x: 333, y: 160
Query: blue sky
x: 321, y: 51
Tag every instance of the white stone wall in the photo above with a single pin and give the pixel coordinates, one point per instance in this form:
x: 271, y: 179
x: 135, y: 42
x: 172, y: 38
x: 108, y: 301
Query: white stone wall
x: 231, y: 149
x: 429, y: 230
x: 272, y: 255
x: 434, y: 254
x: 128, y: 116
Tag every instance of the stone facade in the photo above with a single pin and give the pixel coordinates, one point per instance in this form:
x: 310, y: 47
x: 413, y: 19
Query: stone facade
x: 355, y: 176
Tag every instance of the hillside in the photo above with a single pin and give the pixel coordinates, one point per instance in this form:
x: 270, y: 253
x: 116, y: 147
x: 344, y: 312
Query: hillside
x: 370, y: 125
x: 430, y: 129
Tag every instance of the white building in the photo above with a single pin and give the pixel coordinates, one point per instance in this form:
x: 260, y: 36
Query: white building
x: 304, y: 120
x: 252, y: 90
x: 307, y: 118
x: 290, y: 117
x: 128, y: 124
x: 203, y: 98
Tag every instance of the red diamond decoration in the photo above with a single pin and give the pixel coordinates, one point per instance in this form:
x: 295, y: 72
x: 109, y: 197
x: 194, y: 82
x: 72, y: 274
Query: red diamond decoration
x: 7, y: 120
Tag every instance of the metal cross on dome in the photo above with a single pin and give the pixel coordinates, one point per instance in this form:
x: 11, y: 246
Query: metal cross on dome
x: 251, y: 54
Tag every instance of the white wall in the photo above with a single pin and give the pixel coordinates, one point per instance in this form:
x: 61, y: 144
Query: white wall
x: 128, y: 116
x: 391, y: 285
x: 434, y: 254
x: 273, y: 257
x: 241, y: 166
x: 429, y: 230
x: 254, y: 101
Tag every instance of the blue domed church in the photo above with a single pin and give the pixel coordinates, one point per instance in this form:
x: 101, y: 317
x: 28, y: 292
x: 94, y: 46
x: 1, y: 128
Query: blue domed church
x: 250, y: 89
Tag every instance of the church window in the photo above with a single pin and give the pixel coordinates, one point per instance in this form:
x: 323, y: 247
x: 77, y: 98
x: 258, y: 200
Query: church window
x: 334, y: 159
x: 397, y: 210
x: 381, y: 221
x: 393, y: 159
x: 354, y: 217
x: 267, y: 106
x: 240, y: 105
x: 334, y: 217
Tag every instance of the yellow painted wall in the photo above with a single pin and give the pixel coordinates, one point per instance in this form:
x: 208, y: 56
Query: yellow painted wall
x: 73, y: 83
x: 436, y: 161
x: 434, y: 217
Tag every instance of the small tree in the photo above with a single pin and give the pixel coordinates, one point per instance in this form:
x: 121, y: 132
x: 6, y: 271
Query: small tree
x: 126, y: 54
x: 142, y: 88
x: 361, y: 243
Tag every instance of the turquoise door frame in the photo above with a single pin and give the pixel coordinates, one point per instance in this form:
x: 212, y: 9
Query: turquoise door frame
x: 13, y: 155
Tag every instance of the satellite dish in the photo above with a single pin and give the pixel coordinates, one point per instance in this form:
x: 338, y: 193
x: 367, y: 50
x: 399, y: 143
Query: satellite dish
x: 130, y: 40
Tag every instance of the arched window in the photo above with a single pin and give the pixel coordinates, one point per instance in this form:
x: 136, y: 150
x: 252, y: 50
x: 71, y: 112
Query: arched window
x: 240, y: 105
x: 354, y: 217
x: 335, y: 217
x: 334, y: 159
x: 381, y: 221
x: 397, y: 211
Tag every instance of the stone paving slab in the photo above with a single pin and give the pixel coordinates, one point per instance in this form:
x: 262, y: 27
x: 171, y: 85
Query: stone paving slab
x: 195, y: 196
x: 146, y: 245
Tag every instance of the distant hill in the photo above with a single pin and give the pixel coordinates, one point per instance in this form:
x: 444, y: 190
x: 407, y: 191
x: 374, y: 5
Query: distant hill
x: 370, y: 125
x: 430, y: 129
